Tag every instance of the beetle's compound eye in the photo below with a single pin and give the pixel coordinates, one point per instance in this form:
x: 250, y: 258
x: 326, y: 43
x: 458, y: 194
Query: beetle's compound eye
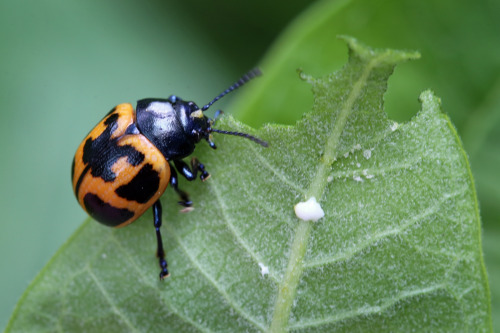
x: 193, y: 106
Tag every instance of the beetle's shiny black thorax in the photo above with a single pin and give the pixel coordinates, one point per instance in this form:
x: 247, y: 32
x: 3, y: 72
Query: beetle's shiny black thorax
x: 174, y: 126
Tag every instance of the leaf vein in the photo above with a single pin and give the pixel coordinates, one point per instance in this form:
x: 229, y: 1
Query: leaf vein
x: 273, y: 212
x: 210, y: 279
x: 264, y: 162
x: 378, y: 171
x: 110, y: 301
x: 349, y: 254
x: 368, y: 310
x: 126, y: 254
x: 147, y: 282
x: 234, y: 231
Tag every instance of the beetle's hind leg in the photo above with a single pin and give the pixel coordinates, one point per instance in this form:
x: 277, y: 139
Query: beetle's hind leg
x: 160, y: 252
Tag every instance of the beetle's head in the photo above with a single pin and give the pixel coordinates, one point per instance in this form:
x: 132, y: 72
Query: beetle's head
x: 194, y: 123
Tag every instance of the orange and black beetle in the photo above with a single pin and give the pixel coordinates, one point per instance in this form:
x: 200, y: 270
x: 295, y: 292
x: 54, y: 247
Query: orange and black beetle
x: 124, y: 164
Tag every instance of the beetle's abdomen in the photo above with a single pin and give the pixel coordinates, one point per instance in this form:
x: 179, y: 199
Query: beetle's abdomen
x: 117, y: 172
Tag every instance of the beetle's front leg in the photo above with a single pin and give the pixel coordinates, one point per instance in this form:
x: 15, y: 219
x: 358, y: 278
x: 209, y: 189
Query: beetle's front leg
x: 191, y: 173
x: 174, y: 181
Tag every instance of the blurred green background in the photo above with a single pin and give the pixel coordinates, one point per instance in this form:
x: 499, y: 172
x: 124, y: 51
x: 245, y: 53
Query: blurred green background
x: 64, y: 64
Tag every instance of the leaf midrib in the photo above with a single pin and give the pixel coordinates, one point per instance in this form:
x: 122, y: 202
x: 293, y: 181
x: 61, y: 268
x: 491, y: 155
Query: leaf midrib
x: 295, y: 267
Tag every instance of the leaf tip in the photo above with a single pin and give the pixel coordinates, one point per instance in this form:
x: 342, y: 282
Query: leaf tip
x: 430, y: 102
x: 356, y: 48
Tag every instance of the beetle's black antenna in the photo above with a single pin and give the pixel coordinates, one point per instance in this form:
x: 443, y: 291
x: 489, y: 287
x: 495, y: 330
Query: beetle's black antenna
x: 244, y: 79
x: 245, y: 135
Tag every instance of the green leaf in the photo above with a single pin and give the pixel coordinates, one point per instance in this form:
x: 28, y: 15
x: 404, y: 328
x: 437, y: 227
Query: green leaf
x: 398, y: 249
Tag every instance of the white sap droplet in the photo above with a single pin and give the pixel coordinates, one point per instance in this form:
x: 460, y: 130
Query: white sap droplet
x: 309, y: 210
x: 357, y: 178
x: 264, y: 270
x: 357, y: 147
x: 329, y: 179
x: 358, y: 165
x: 367, y: 154
x: 394, y: 126
x: 346, y: 155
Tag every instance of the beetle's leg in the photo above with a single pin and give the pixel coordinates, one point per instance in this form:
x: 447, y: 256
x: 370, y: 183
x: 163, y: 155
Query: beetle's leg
x: 160, y: 253
x: 190, y: 174
x: 185, y: 201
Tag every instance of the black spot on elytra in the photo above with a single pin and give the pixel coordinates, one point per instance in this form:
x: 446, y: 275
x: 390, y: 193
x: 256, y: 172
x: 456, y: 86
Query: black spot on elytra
x: 104, y: 212
x: 80, y: 179
x: 142, y: 187
x: 111, y: 119
x: 103, y: 152
x: 111, y: 111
